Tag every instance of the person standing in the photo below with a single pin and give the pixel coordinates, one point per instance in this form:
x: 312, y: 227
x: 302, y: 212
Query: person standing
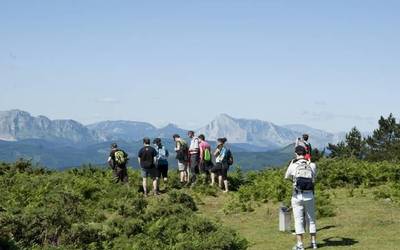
x: 162, y: 160
x: 194, y: 157
x: 306, y: 145
x: 205, y: 155
x: 181, y: 149
x: 118, y: 160
x: 303, y: 173
x: 222, y: 166
x: 147, y: 158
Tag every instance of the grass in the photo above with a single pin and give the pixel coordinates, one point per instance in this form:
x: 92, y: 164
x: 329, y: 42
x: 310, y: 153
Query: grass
x: 361, y: 222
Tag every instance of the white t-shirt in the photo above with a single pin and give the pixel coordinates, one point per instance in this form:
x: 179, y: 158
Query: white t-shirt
x: 290, y: 172
x: 194, y: 146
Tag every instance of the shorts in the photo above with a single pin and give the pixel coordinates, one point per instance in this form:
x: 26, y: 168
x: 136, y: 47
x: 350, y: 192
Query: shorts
x: 220, y: 169
x: 206, y: 166
x: 162, y: 171
x: 182, y: 166
x: 149, y: 172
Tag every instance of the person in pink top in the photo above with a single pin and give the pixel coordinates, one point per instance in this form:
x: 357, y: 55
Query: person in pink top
x: 205, y: 155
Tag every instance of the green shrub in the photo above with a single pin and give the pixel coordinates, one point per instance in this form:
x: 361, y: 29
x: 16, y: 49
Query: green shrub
x: 84, y: 209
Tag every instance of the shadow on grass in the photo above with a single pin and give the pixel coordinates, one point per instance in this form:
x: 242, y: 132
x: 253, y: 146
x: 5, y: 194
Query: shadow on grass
x: 338, y: 242
x: 326, y: 228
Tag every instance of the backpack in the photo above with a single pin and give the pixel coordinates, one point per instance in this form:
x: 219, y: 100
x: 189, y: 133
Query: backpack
x: 303, y: 176
x: 147, y: 158
x: 162, y: 156
x: 207, y: 155
x: 182, y: 153
x: 229, y: 157
x: 120, y: 157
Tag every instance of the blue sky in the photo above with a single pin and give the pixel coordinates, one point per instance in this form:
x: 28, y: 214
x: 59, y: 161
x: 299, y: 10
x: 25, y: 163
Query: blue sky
x: 327, y: 64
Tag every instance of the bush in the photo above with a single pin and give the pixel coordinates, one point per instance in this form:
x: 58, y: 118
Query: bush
x: 84, y: 209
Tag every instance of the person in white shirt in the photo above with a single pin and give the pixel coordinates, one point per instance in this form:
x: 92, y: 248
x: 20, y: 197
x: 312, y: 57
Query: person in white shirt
x: 303, y: 173
x: 194, y: 157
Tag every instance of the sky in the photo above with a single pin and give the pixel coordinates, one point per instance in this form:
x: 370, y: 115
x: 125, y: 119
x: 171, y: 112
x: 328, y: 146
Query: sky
x: 331, y: 65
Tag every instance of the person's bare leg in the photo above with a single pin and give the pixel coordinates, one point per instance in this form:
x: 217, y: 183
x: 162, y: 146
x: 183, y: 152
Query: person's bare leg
x: 155, y: 185
x: 220, y: 181
x: 313, y: 238
x: 187, y: 172
x: 226, y: 186
x: 145, y: 186
x: 182, y: 176
x: 299, y: 240
x: 212, y: 179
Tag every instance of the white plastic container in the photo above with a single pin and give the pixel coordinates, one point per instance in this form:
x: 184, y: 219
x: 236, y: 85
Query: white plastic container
x: 285, y: 217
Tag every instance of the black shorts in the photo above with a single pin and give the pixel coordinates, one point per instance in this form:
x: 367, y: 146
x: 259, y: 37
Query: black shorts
x: 220, y: 169
x: 162, y: 171
x: 223, y: 172
x: 206, y: 166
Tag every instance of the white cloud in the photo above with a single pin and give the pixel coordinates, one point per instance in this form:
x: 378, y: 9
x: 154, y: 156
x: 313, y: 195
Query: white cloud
x: 325, y: 116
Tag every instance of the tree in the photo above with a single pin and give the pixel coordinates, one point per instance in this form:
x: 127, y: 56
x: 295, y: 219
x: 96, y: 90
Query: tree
x: 353, y: 146
x: 384, y: 144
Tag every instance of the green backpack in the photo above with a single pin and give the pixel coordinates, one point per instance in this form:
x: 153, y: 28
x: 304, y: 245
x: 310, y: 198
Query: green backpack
x: 120, y: 157
x: 207, y: 155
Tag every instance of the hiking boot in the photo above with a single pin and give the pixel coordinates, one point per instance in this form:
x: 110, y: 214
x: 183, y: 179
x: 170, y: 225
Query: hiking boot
x: 296, y: 247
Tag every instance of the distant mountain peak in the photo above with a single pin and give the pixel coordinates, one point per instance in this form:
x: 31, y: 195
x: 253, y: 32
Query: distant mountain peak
x: 171, y: 125
x: 19, y: 125
x: 224, y: 116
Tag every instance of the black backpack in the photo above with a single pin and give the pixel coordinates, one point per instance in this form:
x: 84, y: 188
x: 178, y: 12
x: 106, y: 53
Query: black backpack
x: 229, y: 157
x: 183, y: 153
x: 147, y: 158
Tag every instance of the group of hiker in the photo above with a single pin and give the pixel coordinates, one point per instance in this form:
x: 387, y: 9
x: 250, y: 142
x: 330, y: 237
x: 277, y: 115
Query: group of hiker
x: 197, y: 158
x: 193, y: 158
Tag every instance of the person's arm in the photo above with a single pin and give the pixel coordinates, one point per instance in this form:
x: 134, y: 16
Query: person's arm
x: 139, y: 157
x: 155, y: 153
x: 314, y: 170
x: 110, y: 161
x: 289, y: 172
x: 177, y: 146
x: 217, y: 152
x: 201, y: 153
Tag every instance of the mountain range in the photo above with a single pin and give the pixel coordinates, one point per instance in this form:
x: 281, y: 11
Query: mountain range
x: 62, y: 143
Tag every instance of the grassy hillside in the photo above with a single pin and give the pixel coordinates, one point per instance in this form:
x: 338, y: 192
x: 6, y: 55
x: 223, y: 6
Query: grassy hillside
x: 357, y: 207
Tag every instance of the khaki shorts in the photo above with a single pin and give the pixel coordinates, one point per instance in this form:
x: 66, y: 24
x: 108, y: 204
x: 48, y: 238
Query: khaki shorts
x: 182, y: 166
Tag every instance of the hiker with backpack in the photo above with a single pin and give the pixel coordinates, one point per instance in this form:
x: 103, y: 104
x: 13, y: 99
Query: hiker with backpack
x: 118, y: 160
x: 182, y: 155
x: 194, y: 157
x: 303, y: 173
x: 205, y: 155
x: 147, y: 158
x: 162, y: 160
x: 223, y: 160
x: 306, y: 145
